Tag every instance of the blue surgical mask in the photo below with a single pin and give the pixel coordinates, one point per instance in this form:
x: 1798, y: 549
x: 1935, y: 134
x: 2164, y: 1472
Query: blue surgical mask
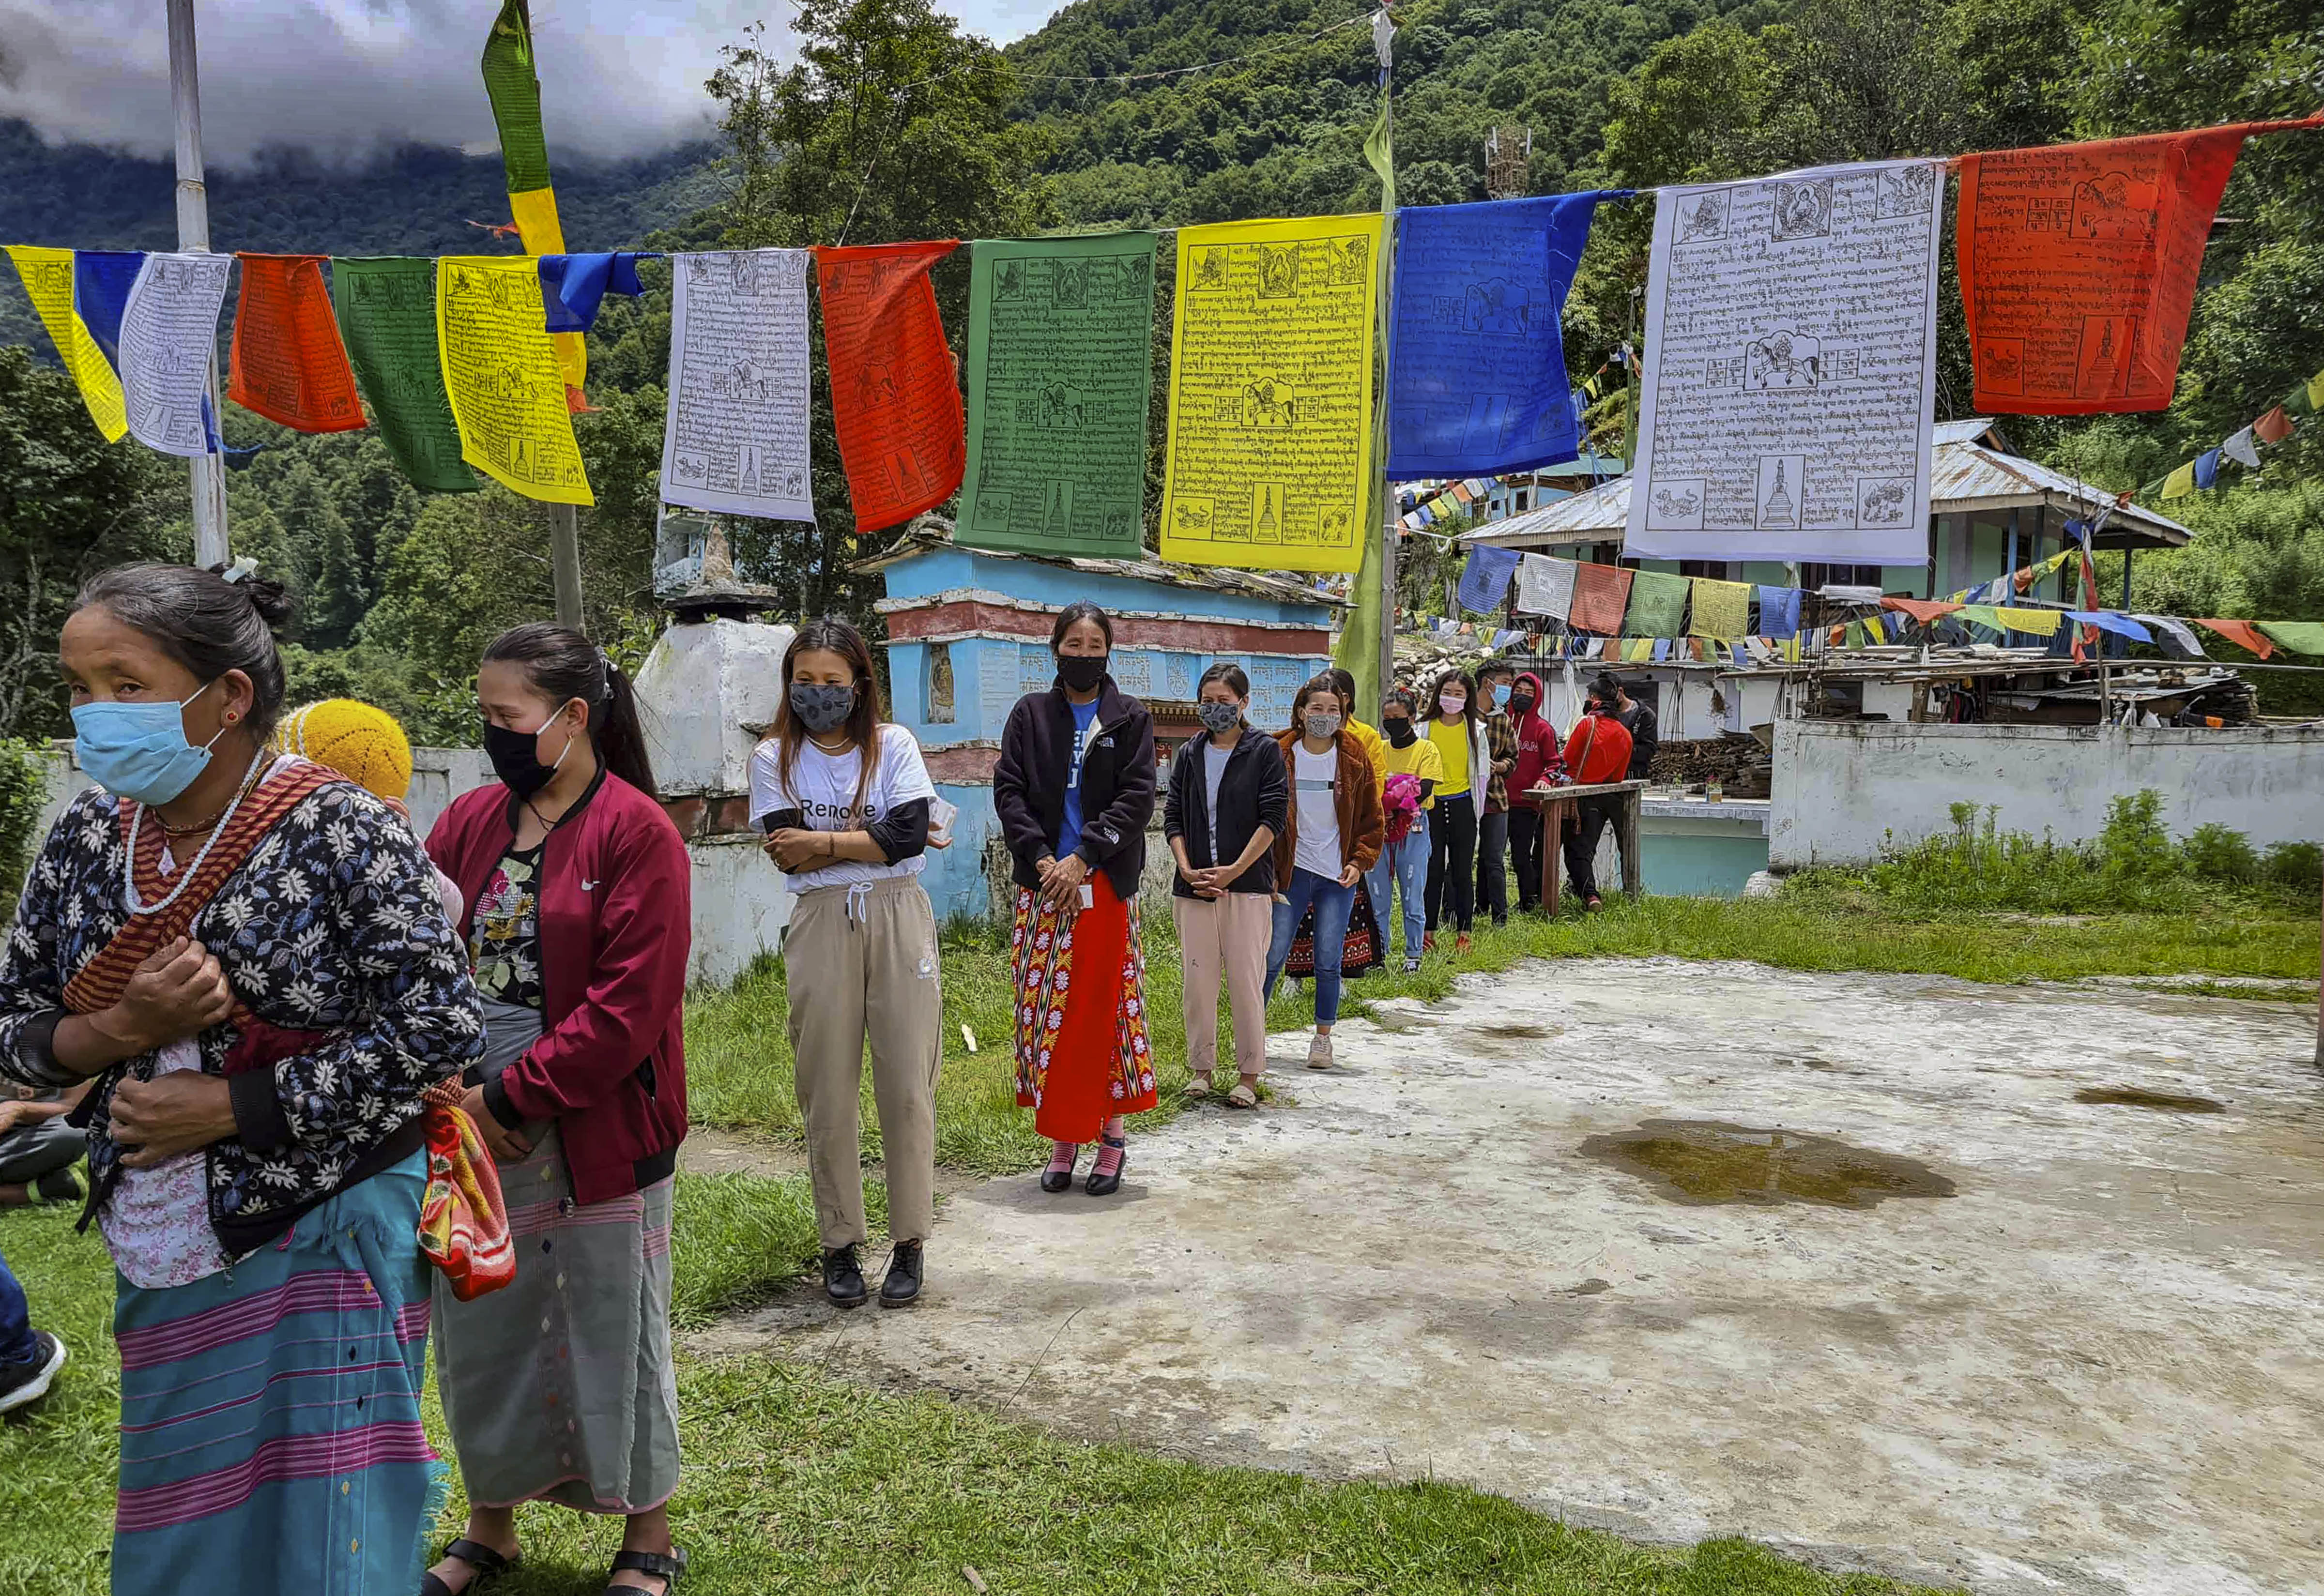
x: 139, y: 750
x: 1500, y: 694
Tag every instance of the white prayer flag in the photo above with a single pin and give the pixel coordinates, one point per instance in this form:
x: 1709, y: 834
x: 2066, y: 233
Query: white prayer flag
x: 168, y: 340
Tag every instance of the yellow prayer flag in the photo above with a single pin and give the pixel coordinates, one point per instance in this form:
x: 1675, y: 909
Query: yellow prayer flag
x: 1875, y: 630
x: 500, y: 372
x: 2041, y: 622
x: 535, y: 214
x: 48, y: 275
x: 1270, y: 449
x: 2180, y: 483
x: 1720, y: 609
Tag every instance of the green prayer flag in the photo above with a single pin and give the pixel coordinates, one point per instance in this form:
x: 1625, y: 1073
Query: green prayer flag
x: 386, y: 307
x: 1357, y: 650
x: 512, y: 83
x: 1060, y: 372
x: 1658, y: 606
x: 2301, y: 637
x: 1380, y: 154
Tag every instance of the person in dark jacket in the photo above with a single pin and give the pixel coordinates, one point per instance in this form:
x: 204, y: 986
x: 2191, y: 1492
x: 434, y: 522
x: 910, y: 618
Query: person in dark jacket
x: 579, y: 926
x: 1074, y: 788
x: 1225, y: 808
x: 1636, y: 719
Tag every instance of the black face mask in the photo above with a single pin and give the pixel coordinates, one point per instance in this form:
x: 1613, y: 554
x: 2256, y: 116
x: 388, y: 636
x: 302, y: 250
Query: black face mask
x: 1399, y: 728
x: 1522, y: 703
x: 1081, y: 672
x: 516, y: 759
x: 822, y: 707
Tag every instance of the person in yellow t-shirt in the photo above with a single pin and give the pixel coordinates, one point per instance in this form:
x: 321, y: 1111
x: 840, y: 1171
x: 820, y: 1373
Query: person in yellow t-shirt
x: 1460, y: 738
x: 1404, y: 860
x: 1375, y: 749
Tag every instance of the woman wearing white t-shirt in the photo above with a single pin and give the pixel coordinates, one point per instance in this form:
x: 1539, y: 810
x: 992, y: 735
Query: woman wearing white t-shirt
x: 1331, y: 837
x: 861, y: 954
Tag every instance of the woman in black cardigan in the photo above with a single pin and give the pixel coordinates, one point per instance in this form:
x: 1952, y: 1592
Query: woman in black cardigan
x: 1228, y: 797
x: 1074, y: 788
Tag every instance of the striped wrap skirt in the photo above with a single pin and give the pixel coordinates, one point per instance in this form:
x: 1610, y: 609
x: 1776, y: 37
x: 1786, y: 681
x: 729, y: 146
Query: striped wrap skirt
x: 270, y: 1439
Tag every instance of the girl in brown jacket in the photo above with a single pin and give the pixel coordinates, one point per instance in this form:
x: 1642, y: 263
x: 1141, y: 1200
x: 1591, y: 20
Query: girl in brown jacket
x: 1331, y: 837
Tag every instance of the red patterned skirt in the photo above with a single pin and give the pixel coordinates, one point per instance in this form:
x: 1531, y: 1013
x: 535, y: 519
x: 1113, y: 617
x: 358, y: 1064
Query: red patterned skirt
x: 1081, y: 1052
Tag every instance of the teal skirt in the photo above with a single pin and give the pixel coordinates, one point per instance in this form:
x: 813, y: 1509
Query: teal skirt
x: 271, y: 1440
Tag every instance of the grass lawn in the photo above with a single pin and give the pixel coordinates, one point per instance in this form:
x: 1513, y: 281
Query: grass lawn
x: 800, y: 1482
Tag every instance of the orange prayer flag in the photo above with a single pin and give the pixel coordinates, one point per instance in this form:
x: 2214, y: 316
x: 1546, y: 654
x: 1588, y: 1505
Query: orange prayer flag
x: 289, y: 365
x: 895, y: 394
x: 2078, y: 267
x: 1601, y: 596
x: 2242, y: 633
x: 1924, y: 610
x: 2273, y: 427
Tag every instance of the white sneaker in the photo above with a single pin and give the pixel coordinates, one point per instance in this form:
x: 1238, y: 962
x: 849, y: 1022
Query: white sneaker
x: 1319, y: 1051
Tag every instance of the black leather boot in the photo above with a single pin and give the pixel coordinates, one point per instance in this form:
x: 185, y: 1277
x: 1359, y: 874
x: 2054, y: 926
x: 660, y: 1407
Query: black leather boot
x: 902, y: 1288
x: 843, y: 1277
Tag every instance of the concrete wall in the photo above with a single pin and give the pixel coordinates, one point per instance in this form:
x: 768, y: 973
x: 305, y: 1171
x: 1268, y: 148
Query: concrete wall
x: 1841, y: 789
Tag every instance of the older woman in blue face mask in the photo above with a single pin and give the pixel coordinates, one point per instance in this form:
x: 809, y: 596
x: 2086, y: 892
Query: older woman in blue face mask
x: 247, y: 959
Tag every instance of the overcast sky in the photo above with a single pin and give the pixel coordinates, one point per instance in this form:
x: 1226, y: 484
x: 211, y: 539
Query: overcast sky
x: 339, y: 77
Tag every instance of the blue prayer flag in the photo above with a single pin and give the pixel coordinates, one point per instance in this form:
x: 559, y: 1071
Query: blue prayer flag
x: 1485, y: 583
x: 2206, y: 468
x: 102, y: 279
x: 2113, y: 621
x: 1477, y: 370
x: 574, y: 286
x: 1779, y: 611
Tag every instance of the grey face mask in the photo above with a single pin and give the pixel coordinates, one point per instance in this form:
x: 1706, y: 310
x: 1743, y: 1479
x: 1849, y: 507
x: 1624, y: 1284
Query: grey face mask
x: 1322, y: 726
x: 821, y: 707
x: 1219, y: 716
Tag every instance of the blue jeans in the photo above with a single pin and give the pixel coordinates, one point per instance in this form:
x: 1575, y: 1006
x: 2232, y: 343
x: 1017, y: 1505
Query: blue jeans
x: 1404, y: 865
x: 16, y: 1342
x: 1334, y: 903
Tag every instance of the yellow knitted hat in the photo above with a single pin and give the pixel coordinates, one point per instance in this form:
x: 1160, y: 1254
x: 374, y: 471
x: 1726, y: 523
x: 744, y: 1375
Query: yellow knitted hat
x: 359, y: 741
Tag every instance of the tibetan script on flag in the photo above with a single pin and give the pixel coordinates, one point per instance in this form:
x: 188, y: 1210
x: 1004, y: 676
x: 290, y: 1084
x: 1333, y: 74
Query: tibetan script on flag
x: 1271, y: 394
x: 736, y: 436
x: 895, y: 399
x: 1060, y: 368
x: 502, y: 376
x: 386, y: 307
x: 169, y: 339
x: 2078, y: 267
x: 288, y: 363
x: 1791, y: 368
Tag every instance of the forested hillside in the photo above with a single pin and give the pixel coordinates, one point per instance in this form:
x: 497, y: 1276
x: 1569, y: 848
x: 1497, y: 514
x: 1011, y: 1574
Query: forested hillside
x: 889, y: 125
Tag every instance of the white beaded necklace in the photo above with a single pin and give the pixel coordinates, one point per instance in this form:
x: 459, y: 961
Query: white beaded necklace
x: 186, y: 876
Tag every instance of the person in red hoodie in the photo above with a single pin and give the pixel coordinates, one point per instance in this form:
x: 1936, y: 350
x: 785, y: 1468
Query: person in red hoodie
x: 1539, y: 761
x: 559, y: 1387
x: 1598, y: 750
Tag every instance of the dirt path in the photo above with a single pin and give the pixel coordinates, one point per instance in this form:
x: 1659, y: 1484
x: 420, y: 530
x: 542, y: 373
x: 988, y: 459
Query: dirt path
x: 2094, y: 1367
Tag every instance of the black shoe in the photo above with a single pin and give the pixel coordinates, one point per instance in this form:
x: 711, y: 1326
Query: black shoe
x: 1105, y: 1185
x: 58, y: 1185
x: 1057, y: 1180
x: 29, y: 1381
x: 902, y: 1288
x: 843, y: 1278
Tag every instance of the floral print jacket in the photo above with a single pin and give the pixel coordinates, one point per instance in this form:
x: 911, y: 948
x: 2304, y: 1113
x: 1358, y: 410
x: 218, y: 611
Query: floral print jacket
x: 332, y: 925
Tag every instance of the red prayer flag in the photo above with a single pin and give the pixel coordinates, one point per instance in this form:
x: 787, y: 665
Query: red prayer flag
x: 2242, y: 633
x: 288, y: 363
x: 895, y: 394
x: 2077, y: 266
x: 1601, y: 596
x: 2273, y: 427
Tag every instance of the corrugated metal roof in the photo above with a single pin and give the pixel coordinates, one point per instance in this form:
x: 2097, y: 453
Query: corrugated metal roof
x: 932, y: 532
x: 1969, y: 471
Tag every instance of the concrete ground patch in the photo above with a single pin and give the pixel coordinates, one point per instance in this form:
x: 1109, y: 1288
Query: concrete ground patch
x: 2094, y: 1367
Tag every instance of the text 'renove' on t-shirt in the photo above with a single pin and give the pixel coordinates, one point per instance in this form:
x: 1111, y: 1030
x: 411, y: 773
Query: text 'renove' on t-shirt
x: 822, y: 789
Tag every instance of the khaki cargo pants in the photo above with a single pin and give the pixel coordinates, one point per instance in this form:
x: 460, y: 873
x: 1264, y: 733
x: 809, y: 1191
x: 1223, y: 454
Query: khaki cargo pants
x: 862, y: 963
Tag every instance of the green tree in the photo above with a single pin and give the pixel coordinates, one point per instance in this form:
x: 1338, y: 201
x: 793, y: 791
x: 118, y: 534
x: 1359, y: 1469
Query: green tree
x: 70, y: 504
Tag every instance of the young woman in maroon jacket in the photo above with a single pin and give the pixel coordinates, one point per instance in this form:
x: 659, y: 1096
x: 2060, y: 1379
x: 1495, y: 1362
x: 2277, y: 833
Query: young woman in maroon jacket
x: 559, y: 1387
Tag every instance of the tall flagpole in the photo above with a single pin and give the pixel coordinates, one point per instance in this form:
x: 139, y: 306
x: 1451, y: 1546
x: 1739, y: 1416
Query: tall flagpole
x: 1383, y: 44
x: 209, y: 469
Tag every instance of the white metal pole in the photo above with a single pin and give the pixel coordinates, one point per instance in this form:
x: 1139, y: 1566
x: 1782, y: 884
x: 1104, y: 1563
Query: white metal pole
x: 194, y: 233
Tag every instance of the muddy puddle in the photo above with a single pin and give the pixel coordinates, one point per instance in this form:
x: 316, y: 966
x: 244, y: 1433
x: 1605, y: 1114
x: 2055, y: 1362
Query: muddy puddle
x: 2161, y: 1102
x: 1700, y: 1162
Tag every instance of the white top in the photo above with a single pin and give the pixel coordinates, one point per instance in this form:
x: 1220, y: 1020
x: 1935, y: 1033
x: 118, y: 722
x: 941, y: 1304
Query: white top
x: 1214, y: 771
x: 825, y: 793
x: 1319, y: 814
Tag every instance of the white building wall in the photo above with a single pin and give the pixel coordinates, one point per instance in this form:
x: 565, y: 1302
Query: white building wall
x: 1843, y: 789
